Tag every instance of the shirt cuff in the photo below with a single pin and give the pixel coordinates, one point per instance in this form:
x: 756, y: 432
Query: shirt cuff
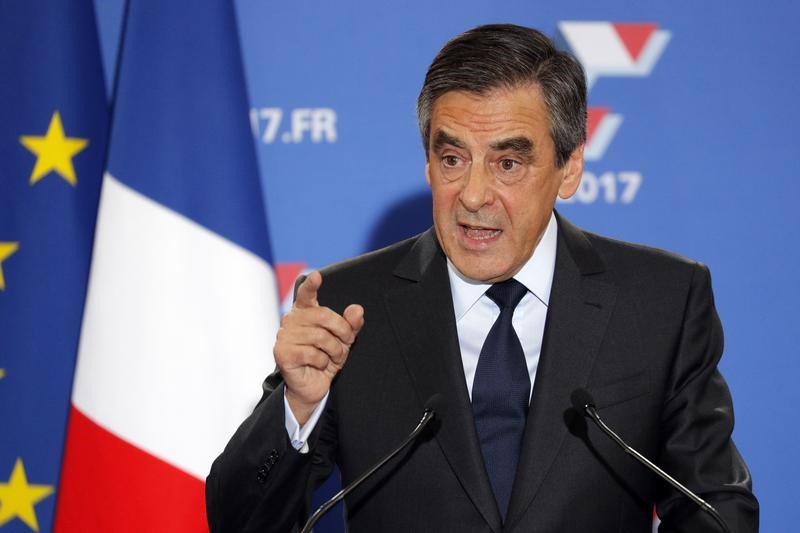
x: 298, y: 436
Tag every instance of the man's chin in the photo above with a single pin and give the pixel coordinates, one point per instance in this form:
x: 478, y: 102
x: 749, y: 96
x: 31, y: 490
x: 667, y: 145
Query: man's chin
x: 480, y: 271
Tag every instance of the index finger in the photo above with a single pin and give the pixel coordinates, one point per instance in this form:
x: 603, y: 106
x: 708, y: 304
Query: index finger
x: 307, y: 291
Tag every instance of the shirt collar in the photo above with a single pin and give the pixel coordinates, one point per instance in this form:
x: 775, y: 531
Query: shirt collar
x: 536, y: 274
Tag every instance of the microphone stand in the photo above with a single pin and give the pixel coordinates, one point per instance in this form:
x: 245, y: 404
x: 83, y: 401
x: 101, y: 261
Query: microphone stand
x: 591, y: 411
x: 427, y: 416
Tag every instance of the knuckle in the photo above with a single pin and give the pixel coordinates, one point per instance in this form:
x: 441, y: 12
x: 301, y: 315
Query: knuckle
x: 289, y: 320
x: 316, y: 358
x: 280, y: 358
x: 332, y: 345
x: 318, y: 337
x: 340, y: 350
x: 305, y: 354
x: 309, y: 353
x: 320, y: 314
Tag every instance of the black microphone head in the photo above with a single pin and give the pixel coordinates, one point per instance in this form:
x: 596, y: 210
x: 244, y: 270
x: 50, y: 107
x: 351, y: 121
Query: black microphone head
x: 434, y: 403
x: 581, y: 399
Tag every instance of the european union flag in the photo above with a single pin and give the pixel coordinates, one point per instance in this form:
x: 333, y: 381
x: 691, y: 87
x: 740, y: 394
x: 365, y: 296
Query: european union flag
x: 52, y: 149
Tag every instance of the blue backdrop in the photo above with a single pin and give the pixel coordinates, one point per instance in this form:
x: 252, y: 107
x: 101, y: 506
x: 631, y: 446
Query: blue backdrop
x: 699, y: 156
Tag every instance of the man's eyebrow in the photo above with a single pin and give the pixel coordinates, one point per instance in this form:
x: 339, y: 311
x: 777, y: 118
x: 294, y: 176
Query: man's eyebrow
x: 441, y: 138
x: 520, y: 145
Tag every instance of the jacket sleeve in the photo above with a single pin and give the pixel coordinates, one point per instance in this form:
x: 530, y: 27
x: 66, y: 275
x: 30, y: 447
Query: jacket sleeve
x: 260, y: 482
x: 697, y: 423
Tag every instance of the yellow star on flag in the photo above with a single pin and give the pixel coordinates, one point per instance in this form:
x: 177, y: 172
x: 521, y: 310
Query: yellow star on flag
x: 17, y: 497
x: 6, y: 249
x: 54, y: 151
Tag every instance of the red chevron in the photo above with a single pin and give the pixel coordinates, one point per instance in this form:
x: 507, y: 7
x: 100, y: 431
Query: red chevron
x: 635, y: 36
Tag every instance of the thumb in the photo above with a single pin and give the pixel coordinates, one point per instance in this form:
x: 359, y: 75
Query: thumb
x: 354, y: 314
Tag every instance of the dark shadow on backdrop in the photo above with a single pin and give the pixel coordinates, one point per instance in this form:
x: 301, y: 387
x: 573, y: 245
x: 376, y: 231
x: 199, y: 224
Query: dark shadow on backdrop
x: 406, y: 218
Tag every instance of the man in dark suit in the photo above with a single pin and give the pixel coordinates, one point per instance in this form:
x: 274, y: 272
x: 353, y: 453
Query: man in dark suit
x: 504, y: 308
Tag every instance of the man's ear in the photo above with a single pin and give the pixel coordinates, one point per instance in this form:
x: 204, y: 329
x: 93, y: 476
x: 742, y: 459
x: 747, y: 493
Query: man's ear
x: 428, y: 171
x: 571, y: 174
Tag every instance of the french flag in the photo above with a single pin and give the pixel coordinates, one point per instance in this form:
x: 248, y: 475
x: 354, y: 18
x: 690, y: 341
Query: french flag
x: 182, y: 305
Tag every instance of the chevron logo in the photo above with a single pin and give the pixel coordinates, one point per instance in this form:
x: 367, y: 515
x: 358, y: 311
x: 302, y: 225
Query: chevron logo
x: 611, y: 49
x: 615, y: 48
x: 601, y: 126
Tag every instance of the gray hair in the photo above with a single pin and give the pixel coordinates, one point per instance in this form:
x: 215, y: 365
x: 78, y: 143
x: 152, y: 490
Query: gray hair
x: 505, y: 55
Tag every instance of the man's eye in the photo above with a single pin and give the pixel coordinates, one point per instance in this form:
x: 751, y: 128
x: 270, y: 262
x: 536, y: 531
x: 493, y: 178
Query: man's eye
x: 509, y: 164
x: 450, y: 161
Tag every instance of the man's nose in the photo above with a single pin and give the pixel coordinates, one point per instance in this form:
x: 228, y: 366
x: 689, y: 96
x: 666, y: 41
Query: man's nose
x: 477, y: 189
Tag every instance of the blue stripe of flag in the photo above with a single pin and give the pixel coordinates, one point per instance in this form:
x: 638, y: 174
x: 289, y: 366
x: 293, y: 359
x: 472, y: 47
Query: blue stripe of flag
x: 180, y: 132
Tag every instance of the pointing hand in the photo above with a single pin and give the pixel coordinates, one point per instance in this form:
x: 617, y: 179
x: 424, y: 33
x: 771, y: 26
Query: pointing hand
x: 312, y: 346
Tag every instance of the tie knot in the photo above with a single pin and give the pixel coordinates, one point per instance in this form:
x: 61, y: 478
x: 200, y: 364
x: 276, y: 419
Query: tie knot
x: 507, y: 294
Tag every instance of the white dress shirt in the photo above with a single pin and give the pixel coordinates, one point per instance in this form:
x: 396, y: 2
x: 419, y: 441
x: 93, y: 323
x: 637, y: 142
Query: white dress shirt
x: 475, y: 314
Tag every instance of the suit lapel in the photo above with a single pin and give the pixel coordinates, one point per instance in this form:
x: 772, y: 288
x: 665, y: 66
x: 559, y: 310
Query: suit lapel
x: 423, y: 320
x: 581, y: 302
x: 580, y: 307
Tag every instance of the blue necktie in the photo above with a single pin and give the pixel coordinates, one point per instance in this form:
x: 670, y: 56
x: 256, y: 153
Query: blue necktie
x: 500, y: 393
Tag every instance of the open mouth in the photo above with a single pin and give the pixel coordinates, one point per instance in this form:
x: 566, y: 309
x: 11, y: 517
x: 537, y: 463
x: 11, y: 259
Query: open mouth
x: 480, y: 233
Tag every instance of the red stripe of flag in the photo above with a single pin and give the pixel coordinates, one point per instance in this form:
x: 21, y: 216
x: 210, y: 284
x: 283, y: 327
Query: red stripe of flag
x: 110, y: 485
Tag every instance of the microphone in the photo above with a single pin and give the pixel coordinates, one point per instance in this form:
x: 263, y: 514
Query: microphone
x: 583, y: 402
x: 428, y: 414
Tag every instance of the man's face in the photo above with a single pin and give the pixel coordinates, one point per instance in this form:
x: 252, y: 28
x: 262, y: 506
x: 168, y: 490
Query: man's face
x: 493, y: 177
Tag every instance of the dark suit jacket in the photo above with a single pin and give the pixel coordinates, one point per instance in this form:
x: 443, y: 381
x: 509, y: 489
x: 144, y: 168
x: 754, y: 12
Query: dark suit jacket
x: 634, y: 326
